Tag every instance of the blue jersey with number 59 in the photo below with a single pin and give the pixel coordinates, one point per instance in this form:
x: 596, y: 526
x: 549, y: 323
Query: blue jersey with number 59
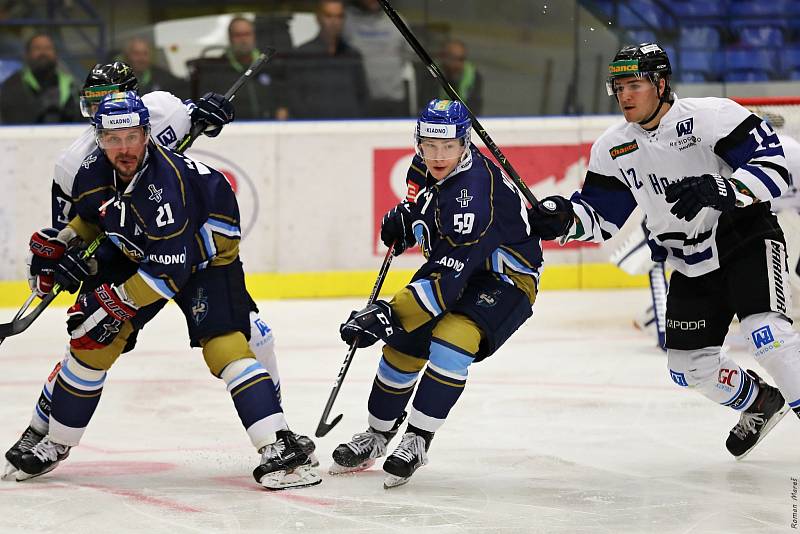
x: 472, y: 222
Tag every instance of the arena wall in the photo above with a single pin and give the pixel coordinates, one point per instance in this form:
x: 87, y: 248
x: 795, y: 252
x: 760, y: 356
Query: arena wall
x: 312, y: 194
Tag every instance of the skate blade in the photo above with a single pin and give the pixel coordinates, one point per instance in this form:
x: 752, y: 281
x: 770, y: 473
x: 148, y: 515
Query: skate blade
x: 299, y: 477
x: 9, y: 473
x: 313, y: 459
x: 764, y: 431
x: 392, y: 481
x: 337, y: 469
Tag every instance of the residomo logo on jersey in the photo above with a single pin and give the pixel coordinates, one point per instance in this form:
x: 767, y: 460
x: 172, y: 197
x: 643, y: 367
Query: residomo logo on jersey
x: 128, y: 120
x: 444, y: 131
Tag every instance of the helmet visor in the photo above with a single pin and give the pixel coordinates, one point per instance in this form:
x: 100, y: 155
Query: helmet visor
x: 432, y: 149
x: 91, y: 96
x: 122, y: 137
x: 635, y: 83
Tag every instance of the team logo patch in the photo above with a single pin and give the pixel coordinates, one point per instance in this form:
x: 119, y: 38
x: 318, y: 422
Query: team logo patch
x: 91, y: 158
x: 488, y: 299
x: 155, y: 193
x: 685, y: 127
x: 167, y: 136
x: 624, y: 148
x: 464, y: 199
x: 678, y: 378
x: 199, y: 306
x: 413, y: 190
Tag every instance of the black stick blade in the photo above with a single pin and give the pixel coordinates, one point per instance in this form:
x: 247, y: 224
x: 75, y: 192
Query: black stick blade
x: 323, y: 427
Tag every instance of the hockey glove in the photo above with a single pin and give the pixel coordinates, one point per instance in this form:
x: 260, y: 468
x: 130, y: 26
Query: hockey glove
x: 396, y: 228
x: 49, y: 262
x: 369, y: 325
x: 551, y: 218
x: 215, y: 111
x: 694, y: 193
x: 96, y: 318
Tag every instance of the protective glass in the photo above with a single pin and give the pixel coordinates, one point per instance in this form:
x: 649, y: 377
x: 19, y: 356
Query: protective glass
x: 91, y: 97
x: 121, y: 138
x: 440, y: 149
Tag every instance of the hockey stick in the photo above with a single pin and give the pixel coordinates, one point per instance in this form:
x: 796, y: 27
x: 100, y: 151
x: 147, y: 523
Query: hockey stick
x: 254, y: 67
x: 437, y: 73
x: 19, y: 324
x: 323, y: 427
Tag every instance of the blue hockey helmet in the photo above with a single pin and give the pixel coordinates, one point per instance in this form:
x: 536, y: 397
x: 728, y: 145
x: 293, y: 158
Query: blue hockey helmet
x: 118, y: 111
x: 444, y: 119
x: 121, y: 110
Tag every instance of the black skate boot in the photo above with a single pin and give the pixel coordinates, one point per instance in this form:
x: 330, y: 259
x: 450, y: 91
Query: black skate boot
x: 308, y: 446
x: 13, y: 455
x: 361, y: 451
x: 410, y: 455
x: 755, y: 422
x: 42, y: 458
x: 285, y: 465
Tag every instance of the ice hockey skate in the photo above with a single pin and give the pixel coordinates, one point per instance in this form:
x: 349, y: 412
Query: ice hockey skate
x: 308, y: 446
x: 26, y: 442
x: 410, y: 455
x: 755, y: 422
x: 41, y: 459
x: 361, y: 452
x: 285, y: 465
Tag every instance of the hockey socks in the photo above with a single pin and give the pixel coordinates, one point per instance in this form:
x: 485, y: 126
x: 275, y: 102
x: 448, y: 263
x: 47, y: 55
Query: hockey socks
x: 76, y: 393
x: 255, y: 399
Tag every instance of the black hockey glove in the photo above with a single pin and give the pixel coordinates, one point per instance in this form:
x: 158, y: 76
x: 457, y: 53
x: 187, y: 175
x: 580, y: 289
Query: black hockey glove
x: 369, y: 325
x: 96, y: 319
x: 396, y: 228
x: 215, y: 111
x: 694, y: 193
x: 551, y: 218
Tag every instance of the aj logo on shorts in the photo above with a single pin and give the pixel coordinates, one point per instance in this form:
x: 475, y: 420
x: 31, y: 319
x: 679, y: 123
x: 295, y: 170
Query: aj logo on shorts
x: 762, y: 337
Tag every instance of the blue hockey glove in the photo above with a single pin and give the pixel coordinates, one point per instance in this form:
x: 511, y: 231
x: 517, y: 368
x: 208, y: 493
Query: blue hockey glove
x: 396, y: 228
x: 97, y: 317
x: 694, y: 193
x: 551, y: 218
x: 215, y: 111
x: 369, y: 325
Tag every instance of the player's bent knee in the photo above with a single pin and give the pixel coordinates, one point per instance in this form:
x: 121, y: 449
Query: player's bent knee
x: 694, y: 368
x: 402, y: 361
x: 222, y: 350
x: 104, y: 358
x: 459, y: 330
x: 768, y: 333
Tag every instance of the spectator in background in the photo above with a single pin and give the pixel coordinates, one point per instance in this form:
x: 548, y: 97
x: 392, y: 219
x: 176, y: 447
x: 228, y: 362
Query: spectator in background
x: 260, y: 98
x: 139, y: 55
x: 385, y: 55
x: 41, y: 92
x: 461, y: 74
x: 326, y: 75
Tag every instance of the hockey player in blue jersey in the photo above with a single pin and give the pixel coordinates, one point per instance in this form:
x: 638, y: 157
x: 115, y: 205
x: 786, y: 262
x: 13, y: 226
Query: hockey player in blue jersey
x: 177, y: 221
x: 704, y: 171
x: 475, y: 289
x: 170, y: 121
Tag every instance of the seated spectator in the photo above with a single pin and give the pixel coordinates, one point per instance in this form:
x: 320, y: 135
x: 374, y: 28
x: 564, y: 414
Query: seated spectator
x: 385, y: 54
x: 41, y: 92
x: 326, y: 75
x: 461, y: 74
x: 263, y: 97
x: 139, y: 55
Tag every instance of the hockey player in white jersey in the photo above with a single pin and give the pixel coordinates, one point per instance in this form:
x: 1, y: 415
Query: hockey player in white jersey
x: 703, y: 170
x: 171, y: 120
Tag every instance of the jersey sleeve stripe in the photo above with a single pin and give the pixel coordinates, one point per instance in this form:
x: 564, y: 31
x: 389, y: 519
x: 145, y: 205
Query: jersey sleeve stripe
x: 762, y: 176
x: 425, y: 294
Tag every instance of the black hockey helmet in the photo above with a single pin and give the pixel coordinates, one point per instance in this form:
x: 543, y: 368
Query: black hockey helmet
x: 646, y: 60
x: 104, y: 79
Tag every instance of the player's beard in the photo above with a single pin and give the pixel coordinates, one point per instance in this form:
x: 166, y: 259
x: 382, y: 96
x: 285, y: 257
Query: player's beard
x: 127, y: 165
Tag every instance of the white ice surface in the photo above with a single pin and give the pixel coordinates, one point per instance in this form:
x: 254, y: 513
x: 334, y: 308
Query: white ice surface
x: 573, y: 426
